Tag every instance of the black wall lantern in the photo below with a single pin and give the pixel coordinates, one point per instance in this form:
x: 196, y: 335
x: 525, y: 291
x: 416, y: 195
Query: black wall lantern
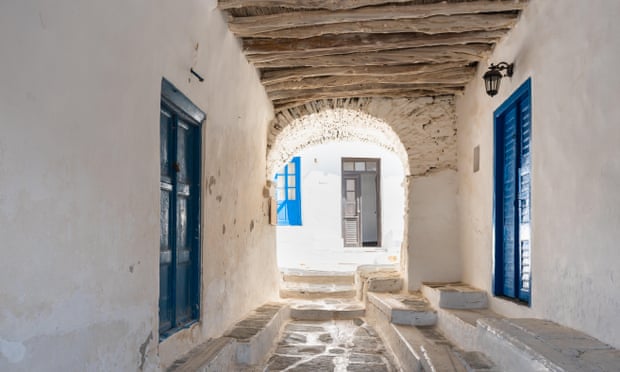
x: 494, y: 76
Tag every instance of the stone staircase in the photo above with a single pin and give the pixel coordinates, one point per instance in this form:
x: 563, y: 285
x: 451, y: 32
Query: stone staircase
x: 409, y: 325
x: 445, y: 327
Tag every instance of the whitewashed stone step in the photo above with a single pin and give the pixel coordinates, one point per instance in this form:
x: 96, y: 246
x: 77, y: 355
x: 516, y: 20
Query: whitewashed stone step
x: 326, y: 309
x: 377, y: 278
x: 316, y: 291
x: 460, y: 326
x: 212, y: 356
x: 475, y: 361
x: 411, y: 309
x: 430, y: 347
x: 317, y: 277
x: 256, y: 334
x: 541, y: 345
x: 455, y: 296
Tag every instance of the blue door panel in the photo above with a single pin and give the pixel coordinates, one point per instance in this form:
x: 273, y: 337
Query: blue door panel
x: 179, y: 220
x: 512, y: 191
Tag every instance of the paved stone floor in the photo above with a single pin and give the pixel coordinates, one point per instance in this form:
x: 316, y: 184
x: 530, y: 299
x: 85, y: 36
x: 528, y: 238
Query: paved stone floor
x: 333, y: 345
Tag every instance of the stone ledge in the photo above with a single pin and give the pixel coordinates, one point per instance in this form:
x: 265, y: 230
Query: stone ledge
x: 326, y: 309
x: 377, y: 278
x: 311, y: 290
x: 455, y: 296
x: 536, y: 344
x: 317, y: 277
x: 460, y: 326
x: 214, y: 355
x: 411, y: 309
x: 256, y: 333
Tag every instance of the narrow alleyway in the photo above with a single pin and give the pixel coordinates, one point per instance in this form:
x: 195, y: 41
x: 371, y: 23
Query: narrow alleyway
x: 333, y: 345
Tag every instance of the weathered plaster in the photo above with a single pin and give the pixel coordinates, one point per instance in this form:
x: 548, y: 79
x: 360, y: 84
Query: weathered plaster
x: 79, y: 168
x: 567, y: 51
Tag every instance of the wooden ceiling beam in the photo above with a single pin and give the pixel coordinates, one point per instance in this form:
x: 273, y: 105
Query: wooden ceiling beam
x: 296, y: 74
x: 463, y: 54
x: 360, y: 90
x: 343, y: 44
x: 305, y: 4
x: 430, y: 26
x: 273, y: 22
x: 454, y: 77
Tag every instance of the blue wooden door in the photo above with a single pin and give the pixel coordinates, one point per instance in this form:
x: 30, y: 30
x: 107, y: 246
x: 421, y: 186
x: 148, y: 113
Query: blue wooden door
x: 179, y: 256
x: 512, y: 275
x: 165, y: 219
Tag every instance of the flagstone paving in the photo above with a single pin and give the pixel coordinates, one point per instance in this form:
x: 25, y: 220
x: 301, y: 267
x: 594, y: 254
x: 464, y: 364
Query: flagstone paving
x: 333, y: 345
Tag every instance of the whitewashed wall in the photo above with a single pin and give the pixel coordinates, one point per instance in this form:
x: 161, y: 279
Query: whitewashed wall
x: 433, y: 253
x: 569, y: 51
x: 79, y: 175
x: 318, y: 242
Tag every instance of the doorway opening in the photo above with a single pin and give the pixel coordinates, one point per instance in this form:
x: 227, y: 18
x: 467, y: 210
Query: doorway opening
x: 361, y: 202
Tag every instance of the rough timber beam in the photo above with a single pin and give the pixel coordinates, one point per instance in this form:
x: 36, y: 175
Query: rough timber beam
x: 264, y: 50
x: 274, y: 22
x: 430, y: 26
x: 305, y: 4
x: 463, y: 54
x: 296, y: 74
x: 455, y: 77
x: 364, y: 90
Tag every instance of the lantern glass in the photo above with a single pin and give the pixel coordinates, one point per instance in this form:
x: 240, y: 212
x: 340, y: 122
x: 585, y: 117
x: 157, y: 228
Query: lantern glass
x: 492, y: 79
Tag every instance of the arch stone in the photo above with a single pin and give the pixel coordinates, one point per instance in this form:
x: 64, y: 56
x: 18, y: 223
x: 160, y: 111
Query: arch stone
x: 425, y: 127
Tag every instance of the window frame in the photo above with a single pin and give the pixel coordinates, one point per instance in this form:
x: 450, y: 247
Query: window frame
x: 287, y: 207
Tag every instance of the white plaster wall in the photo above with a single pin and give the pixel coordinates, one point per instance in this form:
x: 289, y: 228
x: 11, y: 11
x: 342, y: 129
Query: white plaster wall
x: 318, y: 242
x: 569, y: 52
x: 79, y: 201
x: 433, y: 254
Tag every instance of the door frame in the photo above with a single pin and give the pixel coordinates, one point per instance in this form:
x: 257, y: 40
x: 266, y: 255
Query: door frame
x: 498, y: 195
x: 181, y: 107
x: 377, y: 173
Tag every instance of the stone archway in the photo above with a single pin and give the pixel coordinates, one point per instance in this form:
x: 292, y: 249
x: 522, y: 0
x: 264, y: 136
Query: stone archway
x: 421, y: 131
x: 424, y: 126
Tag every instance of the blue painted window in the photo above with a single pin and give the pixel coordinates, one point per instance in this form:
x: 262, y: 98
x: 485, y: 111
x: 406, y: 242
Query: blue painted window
x: 288, y: 193
x: 179, y: 252
x: 513, y: 124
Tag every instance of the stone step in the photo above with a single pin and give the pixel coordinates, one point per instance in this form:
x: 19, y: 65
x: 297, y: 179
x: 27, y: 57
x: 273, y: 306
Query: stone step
x: 377, y: 278
x: 326, y: 309
x: 455, y: 296
x: 212, y: 356
x: 407, y: 309
x: 256, y: 334
x: 430, y: 347
x: 316, y: 291
x: 541, y: 345
x: 475, y: 361
x: 460, y: 326
x: 424, y: 348
x: 317, y: 277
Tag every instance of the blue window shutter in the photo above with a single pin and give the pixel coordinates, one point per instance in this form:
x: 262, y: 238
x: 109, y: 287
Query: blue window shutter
x: 513, y: 274
x: 288, y: 193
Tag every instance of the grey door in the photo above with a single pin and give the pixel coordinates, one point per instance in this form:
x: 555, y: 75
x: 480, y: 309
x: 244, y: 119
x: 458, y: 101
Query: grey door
x: 351, y: 211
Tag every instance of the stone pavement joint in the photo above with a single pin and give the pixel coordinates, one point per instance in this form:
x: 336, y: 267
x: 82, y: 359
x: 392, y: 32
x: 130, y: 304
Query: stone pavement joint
x: 334, y: 345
